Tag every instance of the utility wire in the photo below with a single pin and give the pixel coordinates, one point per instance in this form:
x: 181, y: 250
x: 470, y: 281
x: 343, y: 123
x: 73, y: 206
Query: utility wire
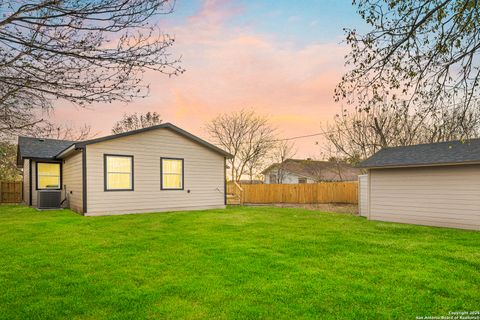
x: 306, y: 136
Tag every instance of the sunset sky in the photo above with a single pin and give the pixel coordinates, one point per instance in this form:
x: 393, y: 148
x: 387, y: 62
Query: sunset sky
x: 280, y: 58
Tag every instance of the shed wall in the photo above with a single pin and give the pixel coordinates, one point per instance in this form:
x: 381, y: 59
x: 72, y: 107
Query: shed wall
x: 445, y: 196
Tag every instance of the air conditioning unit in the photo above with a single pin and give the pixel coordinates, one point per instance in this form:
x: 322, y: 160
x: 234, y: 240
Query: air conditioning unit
x: 49, y: 199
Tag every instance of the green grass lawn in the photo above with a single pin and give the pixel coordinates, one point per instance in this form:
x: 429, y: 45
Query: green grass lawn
x: 244, y: 263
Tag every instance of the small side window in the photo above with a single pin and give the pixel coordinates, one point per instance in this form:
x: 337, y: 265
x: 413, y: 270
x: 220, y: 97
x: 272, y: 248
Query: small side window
x: 48, y: 175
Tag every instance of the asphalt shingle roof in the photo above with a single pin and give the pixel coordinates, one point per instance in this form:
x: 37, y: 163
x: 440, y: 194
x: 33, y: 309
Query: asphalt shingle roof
x: 29, y: 147
x: 452, y: 152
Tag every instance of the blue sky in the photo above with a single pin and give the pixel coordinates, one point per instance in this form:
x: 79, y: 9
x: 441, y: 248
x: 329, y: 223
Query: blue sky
x: 299, y: 22
x: 282, y: 59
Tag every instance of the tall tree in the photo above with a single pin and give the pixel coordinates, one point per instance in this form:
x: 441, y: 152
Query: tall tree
x: 8, y: 162
x: 135, y: 121
x: 422, y: 54
x: 356, y: 135
x: 81, y: 51
x: 246, y: 135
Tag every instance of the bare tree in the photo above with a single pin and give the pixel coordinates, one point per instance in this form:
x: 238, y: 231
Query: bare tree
x: 356, y: 135
x: 135, y: 121
x: 283, y: 150
x: 246, y: 135
x: 80, y: 51
x: 8, y: 163
x: 63, y: 132
x: 422, y: 54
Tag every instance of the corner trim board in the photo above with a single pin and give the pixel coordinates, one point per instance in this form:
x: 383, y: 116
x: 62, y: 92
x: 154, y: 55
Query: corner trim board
x: 30, y: 182
x: 225, y: 180
x: 84, y: 180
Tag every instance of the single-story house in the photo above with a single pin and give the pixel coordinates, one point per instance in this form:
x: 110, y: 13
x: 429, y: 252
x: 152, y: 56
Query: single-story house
x: 160, y: 168
x: 293, y: 171
x: 435, y: 184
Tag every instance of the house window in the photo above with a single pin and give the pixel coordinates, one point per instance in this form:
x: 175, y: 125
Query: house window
x: 48, y: 175
x: 302, y: 180
x: 172, y: 174
x: 273, y: 178
x: 118, y: 172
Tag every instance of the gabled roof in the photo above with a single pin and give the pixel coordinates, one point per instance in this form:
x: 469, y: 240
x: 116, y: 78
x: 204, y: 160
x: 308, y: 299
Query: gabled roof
x: 317, y: 170
x: 440, y: 153
x: 168, y: 126
x: 29, y: 147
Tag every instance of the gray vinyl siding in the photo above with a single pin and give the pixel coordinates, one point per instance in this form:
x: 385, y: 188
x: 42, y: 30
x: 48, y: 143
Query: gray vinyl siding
x: 26, y: 181
x: 203, y: 175
x: 446, y: 196
x: 287, y: 178
x: 72, y: 181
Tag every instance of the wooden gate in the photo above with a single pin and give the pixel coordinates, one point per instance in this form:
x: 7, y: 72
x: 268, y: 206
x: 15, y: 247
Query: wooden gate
x: 11, y: 191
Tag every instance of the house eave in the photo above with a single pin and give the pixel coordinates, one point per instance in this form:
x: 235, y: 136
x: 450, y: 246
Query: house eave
x: 421, y: 165
x: 66, y: 152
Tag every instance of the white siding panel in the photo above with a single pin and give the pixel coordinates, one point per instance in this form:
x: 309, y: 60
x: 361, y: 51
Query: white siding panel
x: 363, y: 195
x: 72, y: 181
x: 203, y: 175
x: 447, y: 196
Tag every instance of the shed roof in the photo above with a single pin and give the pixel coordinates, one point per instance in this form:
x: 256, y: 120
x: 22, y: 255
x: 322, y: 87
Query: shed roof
x: 430, y: 154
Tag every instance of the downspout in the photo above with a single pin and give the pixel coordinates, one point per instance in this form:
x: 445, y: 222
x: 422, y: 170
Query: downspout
x: 30, y: 182
x: 225, y: 180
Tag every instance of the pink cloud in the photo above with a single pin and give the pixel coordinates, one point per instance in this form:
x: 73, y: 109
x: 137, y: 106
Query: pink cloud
x: 233, y: 68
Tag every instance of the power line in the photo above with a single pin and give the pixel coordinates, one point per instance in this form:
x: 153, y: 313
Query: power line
x: 305, y: 136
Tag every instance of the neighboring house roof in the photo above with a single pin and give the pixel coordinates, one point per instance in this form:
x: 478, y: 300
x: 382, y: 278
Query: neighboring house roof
x: 247, y: 181
x: 317, y: 170
x: 29, y: 147
x: 440, y: 153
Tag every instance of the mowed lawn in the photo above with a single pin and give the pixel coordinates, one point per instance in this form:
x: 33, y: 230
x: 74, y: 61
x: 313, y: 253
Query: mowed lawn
x: 239, y: 263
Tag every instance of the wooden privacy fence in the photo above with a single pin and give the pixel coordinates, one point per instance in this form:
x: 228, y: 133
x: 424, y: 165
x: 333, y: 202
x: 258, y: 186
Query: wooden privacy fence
x: 324, y: 192
x: 11, y: 191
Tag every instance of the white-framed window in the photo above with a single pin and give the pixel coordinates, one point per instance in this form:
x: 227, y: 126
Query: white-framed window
x: 171, y: 173
x: 49, y: 175
x: 118, y: 172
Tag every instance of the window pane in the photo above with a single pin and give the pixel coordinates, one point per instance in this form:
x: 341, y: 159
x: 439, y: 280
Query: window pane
x: 119, y: 164
x: 172, y: 166
x: 48, y: 175
x: 49, y: 182
x: 51, y: 169
x: 172, y: 181
x: 119, y: 172
x: 118, y: 181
